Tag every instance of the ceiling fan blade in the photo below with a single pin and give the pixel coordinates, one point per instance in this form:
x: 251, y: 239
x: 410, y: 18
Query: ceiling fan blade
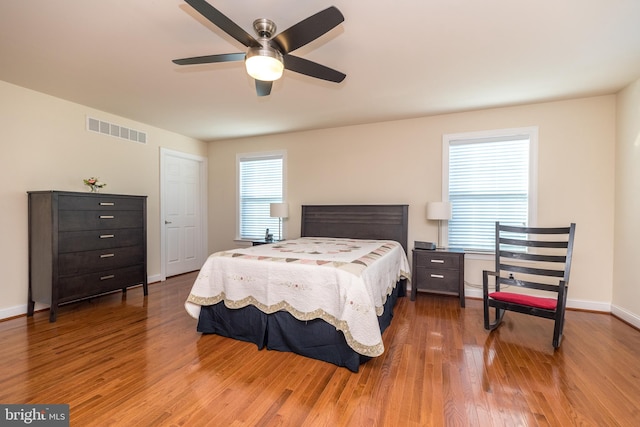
x: 308, y: 29
x: 263, y: 88
x: 222, y: 22
x: 313, y: 69
x: 208, y: 59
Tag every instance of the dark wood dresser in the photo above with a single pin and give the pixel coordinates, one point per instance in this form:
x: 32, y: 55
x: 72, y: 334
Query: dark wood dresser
x: 84, y: 244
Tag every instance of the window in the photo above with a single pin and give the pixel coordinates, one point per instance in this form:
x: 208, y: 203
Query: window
x: 489, y: 177
x: 260, y: 183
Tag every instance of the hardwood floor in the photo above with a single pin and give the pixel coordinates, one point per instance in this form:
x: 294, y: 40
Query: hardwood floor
x: 127, y: 361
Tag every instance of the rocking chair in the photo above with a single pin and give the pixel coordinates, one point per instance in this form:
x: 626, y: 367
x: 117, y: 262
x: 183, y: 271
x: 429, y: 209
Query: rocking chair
x: 534, y: 258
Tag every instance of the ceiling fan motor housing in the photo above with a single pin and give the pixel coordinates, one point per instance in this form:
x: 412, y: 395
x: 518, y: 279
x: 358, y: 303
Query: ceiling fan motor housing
x: 264, y: 27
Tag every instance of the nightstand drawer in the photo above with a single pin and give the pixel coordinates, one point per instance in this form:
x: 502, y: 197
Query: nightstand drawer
x: 433, y: 259
x: 438, y: 280
x: 440, y: 271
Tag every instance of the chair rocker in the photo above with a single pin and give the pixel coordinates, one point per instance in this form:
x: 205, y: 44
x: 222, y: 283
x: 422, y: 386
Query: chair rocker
x: 533, y: 258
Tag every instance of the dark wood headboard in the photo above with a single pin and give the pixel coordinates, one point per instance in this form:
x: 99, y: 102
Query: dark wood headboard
x: 383, y: 222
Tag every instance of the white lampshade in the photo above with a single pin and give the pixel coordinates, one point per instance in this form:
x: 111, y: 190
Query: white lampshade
x: 264, y: 63
x: 439, y: 210
x: 279, y: 210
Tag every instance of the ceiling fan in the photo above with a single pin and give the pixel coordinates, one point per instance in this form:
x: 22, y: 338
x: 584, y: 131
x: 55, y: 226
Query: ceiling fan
x: 267, y: 57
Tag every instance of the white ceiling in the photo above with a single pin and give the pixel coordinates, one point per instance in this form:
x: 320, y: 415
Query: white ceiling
x: 406, y: 58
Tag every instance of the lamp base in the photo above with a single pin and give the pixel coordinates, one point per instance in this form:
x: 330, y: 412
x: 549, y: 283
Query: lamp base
x: 439, y: 235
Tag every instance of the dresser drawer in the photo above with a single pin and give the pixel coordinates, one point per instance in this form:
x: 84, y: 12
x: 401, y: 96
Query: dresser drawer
x: 100, y: 202
x: 98, y: 220
x: 432, y: 259
x: 438, y: 280
x: 74, y: 263
x: 76, y: 241
x: 77, y: 287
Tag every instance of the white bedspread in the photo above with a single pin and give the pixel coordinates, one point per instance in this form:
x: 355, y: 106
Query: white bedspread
x: 342, y: 281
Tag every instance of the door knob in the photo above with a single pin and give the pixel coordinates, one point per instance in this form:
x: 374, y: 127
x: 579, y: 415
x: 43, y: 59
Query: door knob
x: 167, y: 222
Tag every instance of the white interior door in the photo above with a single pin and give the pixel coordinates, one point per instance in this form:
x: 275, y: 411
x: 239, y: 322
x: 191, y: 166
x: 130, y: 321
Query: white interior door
x: 183, y: 218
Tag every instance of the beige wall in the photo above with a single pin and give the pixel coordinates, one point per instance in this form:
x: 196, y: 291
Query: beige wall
x: 400, y: 162
x: 626, y: 283
x: 45, y: 146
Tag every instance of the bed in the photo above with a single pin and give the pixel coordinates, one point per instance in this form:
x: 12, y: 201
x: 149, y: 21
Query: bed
x: 328, y: 295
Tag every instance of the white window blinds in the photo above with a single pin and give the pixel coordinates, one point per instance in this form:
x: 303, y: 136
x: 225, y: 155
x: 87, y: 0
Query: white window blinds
x: 488, y: 181
x: 260, y: 183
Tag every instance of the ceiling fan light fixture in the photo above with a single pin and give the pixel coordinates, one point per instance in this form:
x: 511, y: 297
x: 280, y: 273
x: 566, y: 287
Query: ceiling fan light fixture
x: 264, y: 63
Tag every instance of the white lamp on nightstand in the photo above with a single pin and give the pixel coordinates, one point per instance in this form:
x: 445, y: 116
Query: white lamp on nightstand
x: 439, y: 211
x: 279, y: 210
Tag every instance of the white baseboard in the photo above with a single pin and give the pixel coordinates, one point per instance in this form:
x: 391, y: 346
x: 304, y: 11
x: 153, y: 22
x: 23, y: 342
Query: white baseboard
x: 626, y: 315
x: 571, y: 303
x: 589, y: 305
x: 20, y: 310
x: 623, y: 314
x: 473, y: 293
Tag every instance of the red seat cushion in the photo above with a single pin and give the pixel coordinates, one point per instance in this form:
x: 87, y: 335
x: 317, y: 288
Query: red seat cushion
x: 531, y: 301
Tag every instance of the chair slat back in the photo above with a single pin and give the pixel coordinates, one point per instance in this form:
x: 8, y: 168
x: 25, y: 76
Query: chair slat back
x: 539, y: 256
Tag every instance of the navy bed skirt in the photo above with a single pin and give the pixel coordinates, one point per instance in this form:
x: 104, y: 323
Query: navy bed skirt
x: 281, y: 331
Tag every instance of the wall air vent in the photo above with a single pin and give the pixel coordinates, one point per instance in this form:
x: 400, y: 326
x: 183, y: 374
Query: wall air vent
x: 111, y: 129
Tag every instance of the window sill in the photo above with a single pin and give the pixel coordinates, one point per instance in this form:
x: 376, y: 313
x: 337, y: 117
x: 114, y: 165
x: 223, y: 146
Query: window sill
x: 480, y: 255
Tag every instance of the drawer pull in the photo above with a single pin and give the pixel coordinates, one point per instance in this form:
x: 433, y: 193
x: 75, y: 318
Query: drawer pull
x: 107, y: 255
x: 107, y: 204
x: 110, y: 276
x: 438, y: 261
x: 107, y: 236
x: 107, y: 216
x: 437, y: 276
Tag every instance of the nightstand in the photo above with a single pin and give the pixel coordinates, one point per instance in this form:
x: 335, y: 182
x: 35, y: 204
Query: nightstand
x: 261, y: 242
x: 440, y: 271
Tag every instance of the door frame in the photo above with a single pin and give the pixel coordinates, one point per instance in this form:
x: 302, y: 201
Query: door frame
x: 202, y: 176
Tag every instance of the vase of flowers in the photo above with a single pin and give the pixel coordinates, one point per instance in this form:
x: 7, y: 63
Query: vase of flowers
x: 94, y: 184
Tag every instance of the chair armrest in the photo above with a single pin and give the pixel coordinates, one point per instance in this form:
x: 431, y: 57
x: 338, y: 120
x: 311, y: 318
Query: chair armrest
x: 485, y: 281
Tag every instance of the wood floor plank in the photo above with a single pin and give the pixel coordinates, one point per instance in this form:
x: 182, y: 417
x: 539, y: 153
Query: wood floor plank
x: 130, y: 360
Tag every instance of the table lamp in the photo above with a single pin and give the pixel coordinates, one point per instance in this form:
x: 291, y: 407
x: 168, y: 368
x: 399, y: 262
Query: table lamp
x: 279, y: 210
x: 439, y: 211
